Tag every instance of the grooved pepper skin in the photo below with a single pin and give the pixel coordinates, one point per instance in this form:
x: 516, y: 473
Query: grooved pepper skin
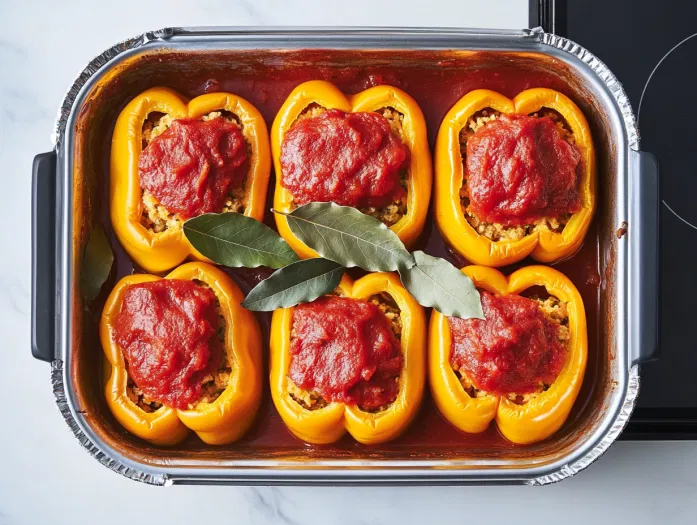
x: 159, y: 252
x: 330, y: 423
x: 540, y: 417
x: 218, y: 423
x: 329, y: 96
x: 544, y: 245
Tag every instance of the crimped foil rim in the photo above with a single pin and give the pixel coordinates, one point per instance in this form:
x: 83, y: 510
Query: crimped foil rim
x: 625, y: 107
x: 94, y: 451
x: 608, y: 439
x: 604, y: 73
x: 91, y: 68
x: 57, y: 365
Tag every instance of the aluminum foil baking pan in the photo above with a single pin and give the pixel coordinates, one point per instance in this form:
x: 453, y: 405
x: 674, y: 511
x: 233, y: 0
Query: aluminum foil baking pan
x: 63, y: 202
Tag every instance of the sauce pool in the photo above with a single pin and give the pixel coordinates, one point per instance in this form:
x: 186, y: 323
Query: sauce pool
x: 264, y: 82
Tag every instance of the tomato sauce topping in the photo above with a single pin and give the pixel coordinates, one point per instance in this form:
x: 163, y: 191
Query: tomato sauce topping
x: 352, y: 159
x: 344, y: 350
x: 167, y: 331
x: 514, y: 350
x: 191, y: 168
x: 520, y: 169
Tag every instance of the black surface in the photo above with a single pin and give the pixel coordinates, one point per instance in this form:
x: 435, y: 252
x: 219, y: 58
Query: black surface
x: 549, y: 15
x: 43, y: 236
x: 632, y: 37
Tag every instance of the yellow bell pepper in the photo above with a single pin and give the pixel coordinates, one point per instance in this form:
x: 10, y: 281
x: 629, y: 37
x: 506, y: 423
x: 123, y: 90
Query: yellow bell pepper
x: 543, y: 415
x: 227, y: 418
x: 329, y: 96
x: 328, y: 424
x: 158, y: 252
x: 543, y: 245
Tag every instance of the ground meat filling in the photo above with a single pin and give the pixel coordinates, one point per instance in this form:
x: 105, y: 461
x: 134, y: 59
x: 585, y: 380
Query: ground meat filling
x: 554, y: 311
x: 394, y: 211
x: 389, y: 371
x: 155, y: 216
x: 215, y: 383
x: 142, y: 401
x: 388, y: 306
x: 496, y: 231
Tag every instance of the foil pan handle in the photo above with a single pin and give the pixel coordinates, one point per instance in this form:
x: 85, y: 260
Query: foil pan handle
x: 43, y: 256
x: 643, y: 236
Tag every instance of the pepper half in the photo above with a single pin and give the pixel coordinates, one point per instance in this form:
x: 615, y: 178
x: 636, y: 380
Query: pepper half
x: 228, y: 417
x: 328, y: 424
x: 328, y: 96
x: 158, y: 252
x: 543, y: 245
x: 543, y: 415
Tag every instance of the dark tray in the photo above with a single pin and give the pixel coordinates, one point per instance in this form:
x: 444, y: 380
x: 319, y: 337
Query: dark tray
x: 663, y: 42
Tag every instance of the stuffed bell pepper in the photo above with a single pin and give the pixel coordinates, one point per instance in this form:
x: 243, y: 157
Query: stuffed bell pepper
x: 522, y: 365
x: 183, y: 355
x: 514, y: 177
x: 350, y: 361
x: 172, y: 160
x: 368, y: 150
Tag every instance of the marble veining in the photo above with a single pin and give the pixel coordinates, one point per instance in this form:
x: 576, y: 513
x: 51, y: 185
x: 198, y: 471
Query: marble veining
x: 45, y: 476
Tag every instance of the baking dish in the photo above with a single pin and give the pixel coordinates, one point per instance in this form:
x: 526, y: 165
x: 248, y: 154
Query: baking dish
x: 616, y: 268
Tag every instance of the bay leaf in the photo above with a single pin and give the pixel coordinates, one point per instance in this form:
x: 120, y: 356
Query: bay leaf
x: 235, y: 240
x: 345, y: 235
x: 300, y: 282
x: 96, y: 263
x: 435, y: 282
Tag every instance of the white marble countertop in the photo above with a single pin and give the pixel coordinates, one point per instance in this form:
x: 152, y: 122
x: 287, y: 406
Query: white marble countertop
x: 46, y: 477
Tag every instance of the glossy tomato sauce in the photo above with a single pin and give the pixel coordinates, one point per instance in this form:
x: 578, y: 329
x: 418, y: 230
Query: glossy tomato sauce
x: 192, y: 166
x: 516, y: 349
x: 436, y: 86
x: 167, y: 331
x: 352, y: 159
x: 345, y: 350
x: 520, y: 169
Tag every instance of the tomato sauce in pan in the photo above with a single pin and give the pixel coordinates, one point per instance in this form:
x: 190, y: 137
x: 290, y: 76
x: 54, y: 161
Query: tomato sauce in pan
x: 435, y: 89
